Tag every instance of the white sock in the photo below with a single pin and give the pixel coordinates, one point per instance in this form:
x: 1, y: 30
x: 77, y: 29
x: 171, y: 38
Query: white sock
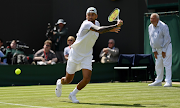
x: 59, y: 83
x: 75, y: 91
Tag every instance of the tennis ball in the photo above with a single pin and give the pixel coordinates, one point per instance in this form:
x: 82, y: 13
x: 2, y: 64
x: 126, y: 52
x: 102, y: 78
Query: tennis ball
x: 18, y: 71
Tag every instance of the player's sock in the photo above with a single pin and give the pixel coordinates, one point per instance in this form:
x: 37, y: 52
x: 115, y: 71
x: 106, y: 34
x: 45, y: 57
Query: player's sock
x: 75, y: 91
x: 59, y: 83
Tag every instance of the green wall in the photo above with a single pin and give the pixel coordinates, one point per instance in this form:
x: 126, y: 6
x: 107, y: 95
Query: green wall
x: 35, y: 74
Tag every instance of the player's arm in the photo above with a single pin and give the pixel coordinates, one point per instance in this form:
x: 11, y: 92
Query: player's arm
x: 104, y: 29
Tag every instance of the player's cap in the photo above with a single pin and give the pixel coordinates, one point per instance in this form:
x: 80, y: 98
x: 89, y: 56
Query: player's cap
x: 61, y: 21
x: 91, y: 10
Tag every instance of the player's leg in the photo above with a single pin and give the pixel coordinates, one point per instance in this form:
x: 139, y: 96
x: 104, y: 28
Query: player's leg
x: 71, y: 68
x: 64, y: 80
x: 86, y: 65
x: 86, y: 79
x: 67, y: 79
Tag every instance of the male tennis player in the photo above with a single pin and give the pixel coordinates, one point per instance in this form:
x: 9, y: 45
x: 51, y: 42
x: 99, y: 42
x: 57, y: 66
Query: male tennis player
x: 80, y: 55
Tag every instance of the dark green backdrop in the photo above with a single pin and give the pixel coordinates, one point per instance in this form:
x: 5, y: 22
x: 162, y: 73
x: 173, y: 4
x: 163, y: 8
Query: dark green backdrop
x: 172, y: 20
x: 34, y: 75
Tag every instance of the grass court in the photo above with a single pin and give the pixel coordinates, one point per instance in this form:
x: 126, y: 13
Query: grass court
x: 94, y: 95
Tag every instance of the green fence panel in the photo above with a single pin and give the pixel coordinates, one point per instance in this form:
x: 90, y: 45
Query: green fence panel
x: 47, y: 75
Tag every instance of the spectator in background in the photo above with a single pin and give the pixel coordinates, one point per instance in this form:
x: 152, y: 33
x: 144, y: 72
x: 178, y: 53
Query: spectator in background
x: 11, y: 52
x: 45, y: 55
x: 70, y: 41
x: 4, y: 61
x: 60, y: 34
x: 109, y: 54
x: 2, y: 47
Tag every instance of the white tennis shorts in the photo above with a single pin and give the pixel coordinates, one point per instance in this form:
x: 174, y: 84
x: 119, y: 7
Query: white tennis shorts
x: 77, y: 62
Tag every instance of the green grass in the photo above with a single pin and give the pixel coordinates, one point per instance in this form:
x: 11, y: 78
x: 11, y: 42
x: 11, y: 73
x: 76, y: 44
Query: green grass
x: 94, y: 95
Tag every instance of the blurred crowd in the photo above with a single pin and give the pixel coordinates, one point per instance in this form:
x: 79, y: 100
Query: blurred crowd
x: 56, y: 49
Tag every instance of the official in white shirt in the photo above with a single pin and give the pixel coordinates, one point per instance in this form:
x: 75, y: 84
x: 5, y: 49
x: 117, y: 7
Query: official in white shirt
x: 160, y: 42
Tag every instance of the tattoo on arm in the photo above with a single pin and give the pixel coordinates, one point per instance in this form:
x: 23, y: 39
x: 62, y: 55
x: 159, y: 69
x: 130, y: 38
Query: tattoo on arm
x: 102, y: 29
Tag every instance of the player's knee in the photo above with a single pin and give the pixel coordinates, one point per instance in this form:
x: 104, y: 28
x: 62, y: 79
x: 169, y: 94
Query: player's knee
x: 65, y: 80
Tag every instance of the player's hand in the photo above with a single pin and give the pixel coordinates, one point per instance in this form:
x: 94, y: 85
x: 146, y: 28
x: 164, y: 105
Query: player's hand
x: 119, y: 23
x: 163, y: 54
x: 155, y: 54
x: 116, y: 30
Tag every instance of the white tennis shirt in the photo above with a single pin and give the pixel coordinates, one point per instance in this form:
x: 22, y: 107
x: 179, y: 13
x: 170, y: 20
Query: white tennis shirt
x: 85, y: 39
x: 159, y: 36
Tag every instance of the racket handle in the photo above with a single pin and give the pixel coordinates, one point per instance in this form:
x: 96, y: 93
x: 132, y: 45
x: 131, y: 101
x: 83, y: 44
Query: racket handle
x: 120, y: 22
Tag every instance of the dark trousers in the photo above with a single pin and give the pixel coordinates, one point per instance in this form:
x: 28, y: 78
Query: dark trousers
x: 60, y: 56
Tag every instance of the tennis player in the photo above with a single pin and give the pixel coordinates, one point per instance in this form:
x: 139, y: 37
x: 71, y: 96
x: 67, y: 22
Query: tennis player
x: 80, y: 55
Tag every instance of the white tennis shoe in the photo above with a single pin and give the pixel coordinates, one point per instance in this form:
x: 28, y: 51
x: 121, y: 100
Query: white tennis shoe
x: 155, y: 84
x: 73, y: 98
x: 58, y: 88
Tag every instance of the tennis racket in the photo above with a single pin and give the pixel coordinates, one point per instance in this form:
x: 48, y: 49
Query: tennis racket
x: 114, y: 16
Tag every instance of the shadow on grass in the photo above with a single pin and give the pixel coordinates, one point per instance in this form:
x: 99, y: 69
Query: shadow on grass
x: 120, y: 105
x: 176, y: 86
x: 113, y: 104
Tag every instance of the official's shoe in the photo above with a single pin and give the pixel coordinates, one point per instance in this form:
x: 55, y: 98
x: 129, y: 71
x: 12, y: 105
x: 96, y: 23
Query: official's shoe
x: 58, y: 88
x: 168, y: 84
x: 155, y: 84
x: 73, y: 98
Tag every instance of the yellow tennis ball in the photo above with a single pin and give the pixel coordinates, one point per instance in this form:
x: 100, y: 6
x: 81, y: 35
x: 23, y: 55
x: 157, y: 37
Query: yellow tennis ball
x: 18, y: 71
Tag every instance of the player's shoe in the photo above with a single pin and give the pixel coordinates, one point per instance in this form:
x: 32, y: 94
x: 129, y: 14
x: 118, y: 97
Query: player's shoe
x: 58, y: 88
x: 155, y: 84
x: 73, y: 98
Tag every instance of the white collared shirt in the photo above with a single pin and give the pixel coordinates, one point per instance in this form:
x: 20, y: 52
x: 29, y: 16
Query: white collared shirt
x: 159, y: 36
x: 85, y: 39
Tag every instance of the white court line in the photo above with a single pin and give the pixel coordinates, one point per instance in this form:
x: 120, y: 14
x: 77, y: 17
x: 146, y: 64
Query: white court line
x: 24, y: 105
